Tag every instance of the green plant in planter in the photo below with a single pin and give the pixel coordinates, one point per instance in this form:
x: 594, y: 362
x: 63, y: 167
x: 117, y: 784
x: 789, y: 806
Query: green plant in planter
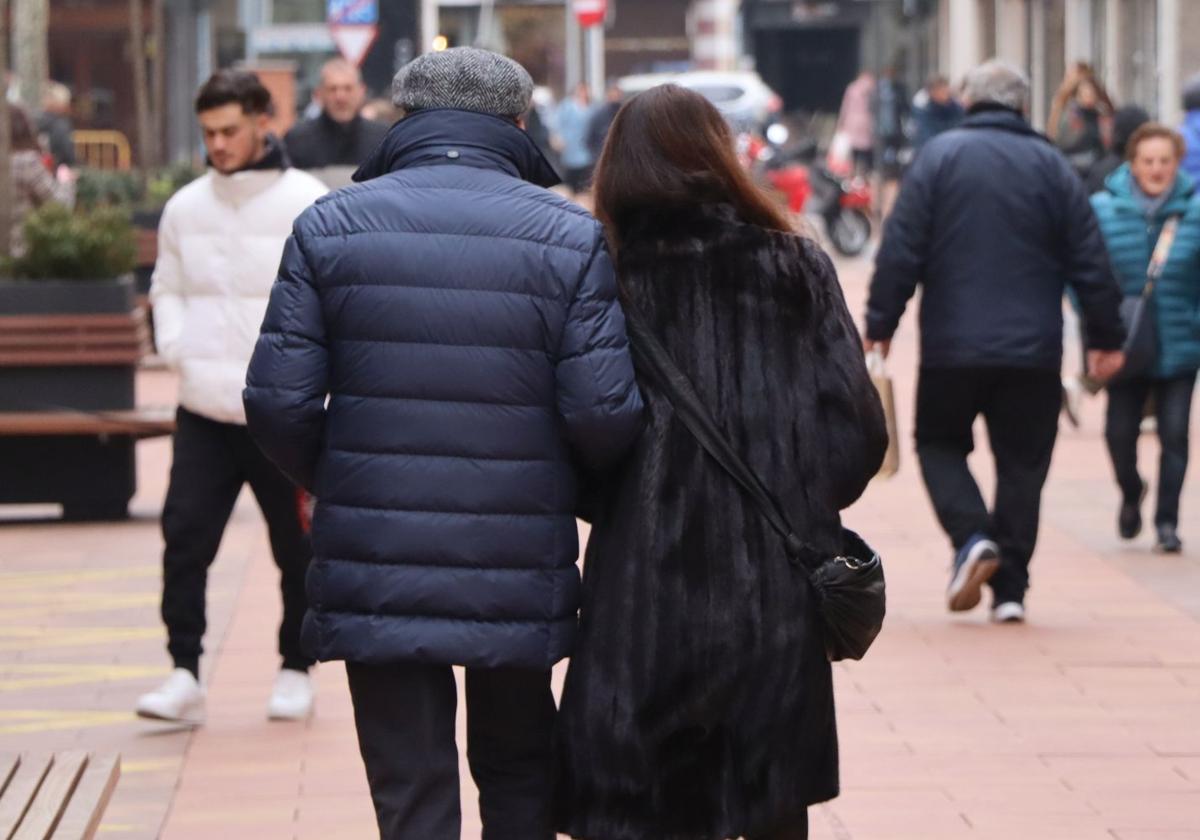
x: 104, y: 188
x: 62, y: 245
x: 147, y: 192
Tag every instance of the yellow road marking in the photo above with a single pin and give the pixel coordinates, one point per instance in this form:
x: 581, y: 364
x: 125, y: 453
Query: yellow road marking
x: 151, y: 765
x: 37, y: 638
x: 94, y: 603
x: 20, y: 676
x: 25, y: 721
x: 25, y: 580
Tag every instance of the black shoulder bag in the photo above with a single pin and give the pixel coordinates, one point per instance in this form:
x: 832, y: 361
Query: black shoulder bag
x: 850, y: 587
x: 1137, y: 311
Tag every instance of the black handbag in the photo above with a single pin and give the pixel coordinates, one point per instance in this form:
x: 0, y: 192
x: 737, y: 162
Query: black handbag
x: 1138, y: 314
x: 850, y: 589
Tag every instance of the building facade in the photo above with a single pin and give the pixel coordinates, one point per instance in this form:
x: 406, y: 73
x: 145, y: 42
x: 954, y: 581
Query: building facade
x: 1143, y: 50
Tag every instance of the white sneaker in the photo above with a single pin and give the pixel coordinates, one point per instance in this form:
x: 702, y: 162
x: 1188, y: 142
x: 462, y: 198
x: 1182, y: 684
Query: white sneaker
x: 180, y: 699
x: 1009, y: 612
x: 292, y: 697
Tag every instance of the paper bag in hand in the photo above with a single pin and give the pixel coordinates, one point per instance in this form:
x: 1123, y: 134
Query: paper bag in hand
x: 877, y: 367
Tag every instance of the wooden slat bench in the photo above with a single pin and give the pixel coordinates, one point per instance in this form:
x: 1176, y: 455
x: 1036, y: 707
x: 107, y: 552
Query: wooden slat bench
x: 44, y: 340
x: 68, y: 424
x: 136, y: 423
x: 55, y: 797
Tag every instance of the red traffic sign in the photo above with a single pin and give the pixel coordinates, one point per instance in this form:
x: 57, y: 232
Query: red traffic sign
x: 590, y: 12
x: 353, y: 40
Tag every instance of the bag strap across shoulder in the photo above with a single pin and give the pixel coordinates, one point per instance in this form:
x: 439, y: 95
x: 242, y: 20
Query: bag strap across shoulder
x: 654, y: 359
x: 1162, y: 250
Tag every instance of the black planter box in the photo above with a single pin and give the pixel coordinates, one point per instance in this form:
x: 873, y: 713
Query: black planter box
x: 58, y: 387
x: 93, y: 477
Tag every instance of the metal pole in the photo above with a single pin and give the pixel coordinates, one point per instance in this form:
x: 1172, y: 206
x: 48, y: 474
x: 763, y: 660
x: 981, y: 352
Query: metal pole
x: 595, y: 63
x: 5, y: 140
x: 574, y: 60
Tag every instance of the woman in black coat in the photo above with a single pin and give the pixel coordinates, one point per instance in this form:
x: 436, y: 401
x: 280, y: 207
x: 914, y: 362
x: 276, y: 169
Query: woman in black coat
x: 699, y: 702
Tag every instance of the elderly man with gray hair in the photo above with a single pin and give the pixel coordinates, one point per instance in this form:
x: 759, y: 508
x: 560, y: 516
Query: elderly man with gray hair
x: 993, y: 224
x: 442, y: 354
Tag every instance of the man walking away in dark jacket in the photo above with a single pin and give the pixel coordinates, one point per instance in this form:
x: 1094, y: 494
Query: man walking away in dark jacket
x: 935, y: 110
x: 602, y: 119
x: 443, y: 346
x: 992, y: 221
x: 340, y: 135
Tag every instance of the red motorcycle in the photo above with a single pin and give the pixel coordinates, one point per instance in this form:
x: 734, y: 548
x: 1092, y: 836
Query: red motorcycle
x: 844, y: 204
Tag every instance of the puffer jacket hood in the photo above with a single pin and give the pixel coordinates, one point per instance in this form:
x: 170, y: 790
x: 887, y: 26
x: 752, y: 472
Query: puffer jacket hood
x: 442, y: 352
x: 466, y: 138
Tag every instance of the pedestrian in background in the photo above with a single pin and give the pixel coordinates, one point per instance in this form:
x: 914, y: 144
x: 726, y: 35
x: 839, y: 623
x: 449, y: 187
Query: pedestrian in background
x: 992, y: 223
x: 1081, y: 118
x: 1142, y: 198
x: 436, y: 386
x: 219, y: 245
x: 602, y: 118
x: 54, y: 124
x: 571, y: 119
x: 1191, y: 128
x: 33, y: 185
x: 340, y: 135
x: 935, y: 110
x: 857, y: 121
x: 1126, y: 121
x: 659, y: 739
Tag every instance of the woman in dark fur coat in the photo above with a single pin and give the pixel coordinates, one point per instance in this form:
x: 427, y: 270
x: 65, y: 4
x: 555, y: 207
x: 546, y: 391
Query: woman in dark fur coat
x: 699, y: 701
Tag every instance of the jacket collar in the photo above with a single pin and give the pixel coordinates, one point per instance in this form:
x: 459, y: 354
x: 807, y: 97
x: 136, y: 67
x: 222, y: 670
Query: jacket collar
x: 1120, y: 184
x: 999, y: 117
x: 445, y: 136
x: 257, y: 177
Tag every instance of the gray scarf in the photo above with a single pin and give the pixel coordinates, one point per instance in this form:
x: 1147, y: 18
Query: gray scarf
x: 1151, y: 205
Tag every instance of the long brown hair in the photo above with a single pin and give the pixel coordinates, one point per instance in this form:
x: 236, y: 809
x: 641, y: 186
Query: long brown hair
x: 669, y: 147
x: 21, y: 131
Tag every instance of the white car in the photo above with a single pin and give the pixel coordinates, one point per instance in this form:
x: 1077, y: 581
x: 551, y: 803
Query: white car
x: 742, y: 96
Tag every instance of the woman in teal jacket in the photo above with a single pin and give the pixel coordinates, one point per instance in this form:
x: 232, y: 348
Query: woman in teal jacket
x: 1138, y: 200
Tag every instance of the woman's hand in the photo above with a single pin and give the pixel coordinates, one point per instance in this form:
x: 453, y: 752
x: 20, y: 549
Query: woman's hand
x: 1103, y: 365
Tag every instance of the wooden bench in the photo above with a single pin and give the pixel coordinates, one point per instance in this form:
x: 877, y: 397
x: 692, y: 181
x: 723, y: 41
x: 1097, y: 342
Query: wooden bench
x: 46, y: 340
x: 55, y: 797
x: 68, y: 424
x: 135, y: 423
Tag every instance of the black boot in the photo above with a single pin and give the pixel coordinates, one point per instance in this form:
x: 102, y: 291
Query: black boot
x: 1168, y: 540
x: 1129, y: 520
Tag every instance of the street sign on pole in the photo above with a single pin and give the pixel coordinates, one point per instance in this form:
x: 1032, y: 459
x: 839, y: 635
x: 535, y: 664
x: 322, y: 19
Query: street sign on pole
x: 590, y: 12
x: 353, y: 25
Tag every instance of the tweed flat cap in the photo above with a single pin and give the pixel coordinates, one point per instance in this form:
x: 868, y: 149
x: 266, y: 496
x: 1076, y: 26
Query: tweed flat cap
x: 464, y: 78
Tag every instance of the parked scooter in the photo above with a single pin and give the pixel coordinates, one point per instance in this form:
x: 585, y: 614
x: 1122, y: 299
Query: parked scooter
x: 809, y: 187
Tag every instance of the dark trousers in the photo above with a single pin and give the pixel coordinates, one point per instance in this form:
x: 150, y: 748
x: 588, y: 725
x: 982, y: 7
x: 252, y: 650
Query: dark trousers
x: 211, y: 463
x: 799, y: 831
x: 1173, y: 407
x: 1021, y: 409
x: 405, y: 714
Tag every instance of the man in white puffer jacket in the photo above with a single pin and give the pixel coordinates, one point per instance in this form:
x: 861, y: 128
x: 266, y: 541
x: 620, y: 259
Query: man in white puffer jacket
x: 220, y: 242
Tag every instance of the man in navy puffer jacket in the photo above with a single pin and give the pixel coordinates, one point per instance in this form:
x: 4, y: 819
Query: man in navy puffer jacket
x: 443, y: 347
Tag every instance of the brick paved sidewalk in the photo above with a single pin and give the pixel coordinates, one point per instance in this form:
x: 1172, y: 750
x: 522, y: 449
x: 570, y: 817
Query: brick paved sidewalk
x: 1081, y: 725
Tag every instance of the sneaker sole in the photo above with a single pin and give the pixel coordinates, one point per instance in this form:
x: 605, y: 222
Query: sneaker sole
x: 195, y: 720
x: 966, y: 590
